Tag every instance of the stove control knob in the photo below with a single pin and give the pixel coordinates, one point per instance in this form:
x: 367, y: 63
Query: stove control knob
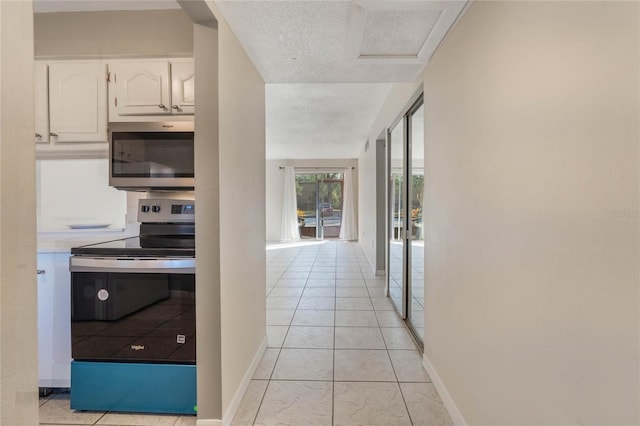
x: 144, y: 209
x: 155, y: 209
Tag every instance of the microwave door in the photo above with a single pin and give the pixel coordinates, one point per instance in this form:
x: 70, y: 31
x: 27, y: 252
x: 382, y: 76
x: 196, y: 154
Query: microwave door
x: 157, y: 169
x: 152, y: 159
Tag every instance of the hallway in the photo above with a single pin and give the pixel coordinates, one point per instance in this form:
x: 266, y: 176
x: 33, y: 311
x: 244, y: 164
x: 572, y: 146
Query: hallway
x: 338, y: 354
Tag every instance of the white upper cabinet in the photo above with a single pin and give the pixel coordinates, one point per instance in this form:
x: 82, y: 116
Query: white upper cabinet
x: 41, y: 91
x: 77, y: 101
x: 182, y: 87
x: 150, y: 88
x: 140, y: 88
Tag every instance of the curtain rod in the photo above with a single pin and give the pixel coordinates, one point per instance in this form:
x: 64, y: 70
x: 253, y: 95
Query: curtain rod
x: 319, y: 168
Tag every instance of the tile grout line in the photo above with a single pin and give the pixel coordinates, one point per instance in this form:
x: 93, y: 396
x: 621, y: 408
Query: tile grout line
x: 102, y: 416
x: 394, y: 368
x: 378, y: 326
x: 335, y: 303
x: 264, y: 394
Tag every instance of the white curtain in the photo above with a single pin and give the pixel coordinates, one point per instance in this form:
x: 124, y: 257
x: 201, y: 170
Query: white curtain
x: 349, y: 229
x: 289, y: 229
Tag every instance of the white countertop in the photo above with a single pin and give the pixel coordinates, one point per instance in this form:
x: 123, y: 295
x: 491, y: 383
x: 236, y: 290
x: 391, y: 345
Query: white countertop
x: 63, y: 241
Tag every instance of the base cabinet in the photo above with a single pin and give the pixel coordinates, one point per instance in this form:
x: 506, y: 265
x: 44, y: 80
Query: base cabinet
x: 54, y: 322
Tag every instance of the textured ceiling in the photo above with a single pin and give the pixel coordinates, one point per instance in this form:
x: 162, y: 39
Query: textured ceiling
x: 328, y: 65
x: 339, y: 41
x: 396, y: 33
x: 320, y: 120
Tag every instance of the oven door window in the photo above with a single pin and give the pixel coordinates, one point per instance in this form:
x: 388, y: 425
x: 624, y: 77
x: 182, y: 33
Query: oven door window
x: 152, y: 154
x: 146, y: 317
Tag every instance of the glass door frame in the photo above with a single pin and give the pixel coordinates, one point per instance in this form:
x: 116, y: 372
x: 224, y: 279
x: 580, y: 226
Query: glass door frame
x: 397, y: 198
x: 406, y: 196
x: 320, y: 213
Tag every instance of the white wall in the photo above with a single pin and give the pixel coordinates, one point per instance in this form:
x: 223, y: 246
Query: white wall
x: 113, y: 33
x: 531, y: 112
x: 242, y: 213
x: 367, y: 201
x: 18, y: 298
x: 274, y: 182
x: 230, y: 243
x: 77, y: 192
x: 207, y: 182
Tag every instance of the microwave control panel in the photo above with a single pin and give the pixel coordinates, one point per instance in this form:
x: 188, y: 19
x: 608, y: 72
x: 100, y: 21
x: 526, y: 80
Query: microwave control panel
x: 166, y: 211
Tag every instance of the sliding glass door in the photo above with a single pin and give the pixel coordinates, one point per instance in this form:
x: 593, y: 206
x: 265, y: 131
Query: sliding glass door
x: 320, y: 199
x: 406, y: 236
x: 330, y: 208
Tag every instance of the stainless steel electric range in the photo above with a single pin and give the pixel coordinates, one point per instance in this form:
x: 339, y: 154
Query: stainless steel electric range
x: 133, y: 331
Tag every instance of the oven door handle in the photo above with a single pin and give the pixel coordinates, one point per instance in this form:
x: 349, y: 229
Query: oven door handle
x: 133, y: 265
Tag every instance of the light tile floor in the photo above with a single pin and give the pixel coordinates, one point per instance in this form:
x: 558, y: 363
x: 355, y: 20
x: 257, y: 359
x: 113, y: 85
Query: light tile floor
x: 54, y: 410
x: 338, y: 353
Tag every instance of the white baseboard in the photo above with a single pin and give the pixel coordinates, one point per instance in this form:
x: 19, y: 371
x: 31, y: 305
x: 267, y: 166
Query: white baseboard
x: 447, y: 400
x: 227, y: 418
x: 208, y: 422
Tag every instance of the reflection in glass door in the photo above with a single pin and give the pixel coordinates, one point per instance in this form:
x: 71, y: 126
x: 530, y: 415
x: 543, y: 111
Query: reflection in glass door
x: 319, y: 199
x: 406, y: 236
x: 415, y: 318
x: 396, y: 201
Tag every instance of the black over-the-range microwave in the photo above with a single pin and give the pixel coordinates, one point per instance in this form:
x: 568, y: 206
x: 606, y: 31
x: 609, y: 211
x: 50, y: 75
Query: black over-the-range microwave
x: 151, y: 156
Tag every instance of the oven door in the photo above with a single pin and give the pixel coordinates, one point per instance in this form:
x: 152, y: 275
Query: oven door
x: 132, y: 310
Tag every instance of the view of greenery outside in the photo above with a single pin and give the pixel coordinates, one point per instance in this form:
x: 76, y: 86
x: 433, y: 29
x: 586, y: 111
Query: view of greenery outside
x: 417, y: 191
x: 319, y: 199
x: 397, y: 193
x: 417, y: 194
x: 330, y: 191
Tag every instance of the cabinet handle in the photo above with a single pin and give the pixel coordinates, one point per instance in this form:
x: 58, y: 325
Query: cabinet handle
x: 40, y: 271
x: 55, y: 135
x: 161, y: 106
x: 176, y: 107
x: 38, y: 135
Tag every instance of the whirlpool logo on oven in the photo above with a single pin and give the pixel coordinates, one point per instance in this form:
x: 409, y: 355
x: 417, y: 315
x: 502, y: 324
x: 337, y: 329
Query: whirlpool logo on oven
x: 137, y: 347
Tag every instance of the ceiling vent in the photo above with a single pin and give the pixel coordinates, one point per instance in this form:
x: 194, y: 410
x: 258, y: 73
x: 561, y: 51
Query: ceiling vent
x: 392, y: 31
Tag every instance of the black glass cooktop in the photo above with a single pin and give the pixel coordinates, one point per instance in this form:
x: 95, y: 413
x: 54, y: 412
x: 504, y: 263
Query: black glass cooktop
x: 137, y: 246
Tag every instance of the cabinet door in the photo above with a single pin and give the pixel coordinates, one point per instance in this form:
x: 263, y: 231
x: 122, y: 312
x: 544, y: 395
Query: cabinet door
x: 182, y: 87
x: 41, y: 93
x: 141, y: 88
x: 45, y: 318
x: 54, y: 320
x: 78, y: 102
